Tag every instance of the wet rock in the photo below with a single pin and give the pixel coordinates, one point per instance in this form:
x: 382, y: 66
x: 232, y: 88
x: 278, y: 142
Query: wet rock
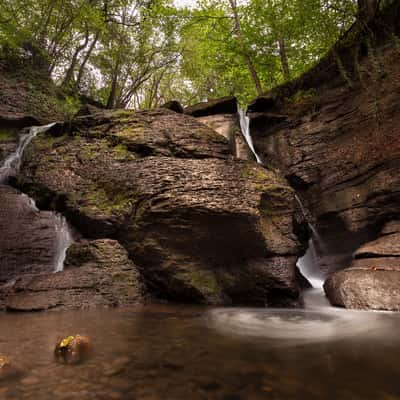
x: 224, y: 105
x: 374, y: 289
x: 303, y: 281
x: 201, y: 226
x: 97, y: 274
x: 117, y: 366
x: 73, y: 349
x: 174, y: 105
x: 28, y: 240
x: 373, y: 280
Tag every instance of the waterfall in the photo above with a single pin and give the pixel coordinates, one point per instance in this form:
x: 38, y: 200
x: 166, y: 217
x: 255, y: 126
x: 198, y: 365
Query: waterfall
x: 310, y: 268
x: 12, y: 163
x: 10, y: 167
x: 308, y: 264
x: 245, y: 127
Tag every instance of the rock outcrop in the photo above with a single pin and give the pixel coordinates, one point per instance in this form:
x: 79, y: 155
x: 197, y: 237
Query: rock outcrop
x: 97, y: 274
x: 28, y: 96
x: 224, y: 105
x: 373, y: 280
x: 174, y: 105
x: 200, y: 226
x: 338, y: 142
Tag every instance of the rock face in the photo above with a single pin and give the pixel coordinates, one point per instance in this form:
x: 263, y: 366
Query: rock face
x: 224, y: 105
x: 228, y: 126
x: 201, y: 226
x: 27, y: 95
x: 97, y: 274
x: 28, y: 241
x: 340, y: 149
x: 373, y: 281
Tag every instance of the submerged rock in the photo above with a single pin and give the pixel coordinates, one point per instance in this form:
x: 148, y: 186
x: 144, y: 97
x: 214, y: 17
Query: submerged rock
x: 8, y: 370
x: 73, y: 349
x: 373, y: 280
x: 200, y: 226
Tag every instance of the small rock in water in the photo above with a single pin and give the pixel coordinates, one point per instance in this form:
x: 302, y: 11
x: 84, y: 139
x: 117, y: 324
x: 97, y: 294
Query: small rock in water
x: 7, y: 368
x: 73, y: 349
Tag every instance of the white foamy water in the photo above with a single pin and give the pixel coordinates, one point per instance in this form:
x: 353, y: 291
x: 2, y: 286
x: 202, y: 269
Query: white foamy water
x: 245, y: 127
x: 64, y: 241
x: 287, y: 326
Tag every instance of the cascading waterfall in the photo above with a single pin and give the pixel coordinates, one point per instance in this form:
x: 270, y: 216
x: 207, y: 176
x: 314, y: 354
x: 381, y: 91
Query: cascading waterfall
x: 12, y: 163
x: 308, y: 264
x: 10, y: 167
x: 245, y: 127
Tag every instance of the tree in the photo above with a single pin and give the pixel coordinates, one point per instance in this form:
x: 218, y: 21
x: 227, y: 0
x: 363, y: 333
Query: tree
x: 245, y: 53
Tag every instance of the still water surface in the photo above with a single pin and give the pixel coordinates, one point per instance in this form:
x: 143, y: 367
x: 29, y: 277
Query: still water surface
x: 177, y: 353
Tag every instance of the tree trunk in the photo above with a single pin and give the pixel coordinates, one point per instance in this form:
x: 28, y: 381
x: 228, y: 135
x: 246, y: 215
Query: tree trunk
x: 367, y: 9
x: 284, y: 59
x: 85, y: 60
x: 249, y: 62
x: 70, y: 72
x: 113, y: 92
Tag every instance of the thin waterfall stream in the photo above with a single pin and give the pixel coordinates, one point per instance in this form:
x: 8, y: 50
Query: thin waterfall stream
x: 9, y: 168
x: 245, y: 127
x: 308, y: 264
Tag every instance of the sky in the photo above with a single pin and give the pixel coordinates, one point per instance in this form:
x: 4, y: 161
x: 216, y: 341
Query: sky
x: 185, y: 2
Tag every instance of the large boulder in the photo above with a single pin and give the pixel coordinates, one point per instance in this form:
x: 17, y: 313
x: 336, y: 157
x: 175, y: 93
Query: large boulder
x: 97, y: 273
x: 201, y: 226
x: 373, y: 280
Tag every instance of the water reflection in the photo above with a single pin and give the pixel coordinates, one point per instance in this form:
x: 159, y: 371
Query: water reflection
x: 177, y: 353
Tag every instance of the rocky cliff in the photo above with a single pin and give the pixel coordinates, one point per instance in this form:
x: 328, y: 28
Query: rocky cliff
x: 201, y: 226
x: 334, y: 133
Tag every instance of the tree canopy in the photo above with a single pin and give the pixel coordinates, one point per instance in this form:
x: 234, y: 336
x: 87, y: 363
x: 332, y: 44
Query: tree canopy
x: 141, y: 53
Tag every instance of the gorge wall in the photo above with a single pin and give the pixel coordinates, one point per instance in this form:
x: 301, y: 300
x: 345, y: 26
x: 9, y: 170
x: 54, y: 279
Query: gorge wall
x: 335, y: 135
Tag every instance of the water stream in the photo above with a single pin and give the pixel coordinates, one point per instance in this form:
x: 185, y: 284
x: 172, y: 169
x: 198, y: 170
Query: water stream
x: 9, y: 168
x: 245, y: 127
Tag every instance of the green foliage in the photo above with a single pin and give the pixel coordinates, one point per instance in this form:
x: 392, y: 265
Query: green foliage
x: 142, y: 53
x: 71, y: 106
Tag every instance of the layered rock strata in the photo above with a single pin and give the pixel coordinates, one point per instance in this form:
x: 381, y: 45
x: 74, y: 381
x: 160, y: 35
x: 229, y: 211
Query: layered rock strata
x: 200, y: 226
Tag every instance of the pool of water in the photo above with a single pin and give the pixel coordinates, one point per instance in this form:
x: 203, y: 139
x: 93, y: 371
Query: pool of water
x: 174, y: 353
